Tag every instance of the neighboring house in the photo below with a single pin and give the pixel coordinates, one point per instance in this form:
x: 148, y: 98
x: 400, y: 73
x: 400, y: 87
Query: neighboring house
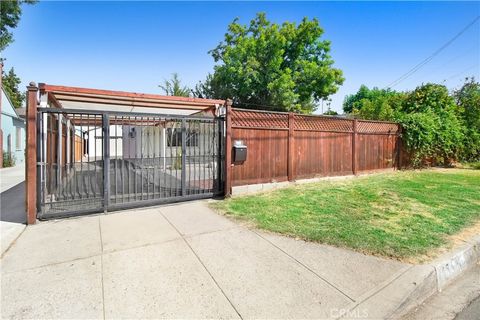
x: 13, y: 127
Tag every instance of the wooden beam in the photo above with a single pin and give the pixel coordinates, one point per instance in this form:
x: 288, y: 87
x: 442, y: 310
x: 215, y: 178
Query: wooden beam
x: 112, y: 93
x: 31, y: 154
x: 52, y: 99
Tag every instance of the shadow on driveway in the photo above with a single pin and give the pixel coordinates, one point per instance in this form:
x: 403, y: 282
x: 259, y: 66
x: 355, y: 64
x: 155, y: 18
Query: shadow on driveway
x: 12, y: 202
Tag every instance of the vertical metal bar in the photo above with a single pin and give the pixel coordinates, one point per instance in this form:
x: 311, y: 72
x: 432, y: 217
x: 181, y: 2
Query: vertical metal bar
x: 189, y: 156
x: 116, y: 158
x: 141, y: 160
x: 166, y: 183
x: 204, y: 155
x: 154, y: 158
x: 219, y: 154
x: 87, y: 141
x: 106, y: 162
x: 44, y: 155
x: 40, y: 163
x: 135, y: 161
x: 148, y: 156
x: 122, y: 175
x: 87, y: 191
x: 184, y: 151
x: 59, y: 152
x: 128, y: 164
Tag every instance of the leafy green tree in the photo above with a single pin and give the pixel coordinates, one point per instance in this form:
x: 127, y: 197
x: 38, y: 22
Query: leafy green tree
x: 374, y: 104
x: 10, y: 12
x: 174, y: 87
x: 330, y: 112
x: 262, y: 64
x: 432, y: 127
x: 352, y: 101
x: 11, y: 83
x: 429, y: 96
x: 468, y: 101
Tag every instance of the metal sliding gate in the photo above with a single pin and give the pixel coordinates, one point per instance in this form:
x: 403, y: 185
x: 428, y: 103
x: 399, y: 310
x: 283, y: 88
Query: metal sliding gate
x: 97, y: 161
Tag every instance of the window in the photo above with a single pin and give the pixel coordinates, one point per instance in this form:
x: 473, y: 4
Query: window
x: 174, y: 137
x: 18, y: 140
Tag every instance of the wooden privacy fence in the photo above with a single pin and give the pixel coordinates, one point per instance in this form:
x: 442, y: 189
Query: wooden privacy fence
x: 288, y: 146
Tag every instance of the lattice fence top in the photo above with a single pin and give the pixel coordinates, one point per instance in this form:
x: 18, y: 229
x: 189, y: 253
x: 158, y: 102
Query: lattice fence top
x: 278, y: 120
x: 318, y: 123
x: 257, y: 119
x: 377, y: 127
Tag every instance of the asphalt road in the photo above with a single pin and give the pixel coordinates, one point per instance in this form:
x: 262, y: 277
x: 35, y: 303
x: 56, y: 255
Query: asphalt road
x: 471, y: 312
x: 460, y: 300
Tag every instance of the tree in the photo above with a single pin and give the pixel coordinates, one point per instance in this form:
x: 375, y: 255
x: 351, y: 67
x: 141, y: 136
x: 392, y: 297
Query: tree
x: 287, y: 67
x: 10, y: 12
x: 11, y: 83
x: 429, y: 96
x: 468, y: 101
x: 374, y: 104
x: 330, y: 112
x: 432, y: 126
x: 174, y: 87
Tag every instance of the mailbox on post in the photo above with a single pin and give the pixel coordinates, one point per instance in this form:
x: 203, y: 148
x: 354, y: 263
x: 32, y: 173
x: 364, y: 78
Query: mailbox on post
x: 239, y: 152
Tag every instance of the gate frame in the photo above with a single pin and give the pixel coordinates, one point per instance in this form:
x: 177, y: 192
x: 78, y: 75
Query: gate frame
x: 33, y: 163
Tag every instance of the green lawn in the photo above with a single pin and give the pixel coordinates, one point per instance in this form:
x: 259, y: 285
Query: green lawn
x: 401, y: 214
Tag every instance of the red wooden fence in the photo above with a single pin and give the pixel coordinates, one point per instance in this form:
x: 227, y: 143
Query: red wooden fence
x: 287, y: 146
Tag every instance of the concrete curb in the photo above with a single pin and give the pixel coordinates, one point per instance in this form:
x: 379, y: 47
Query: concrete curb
x: 410, y: 289
x: 444, y: 270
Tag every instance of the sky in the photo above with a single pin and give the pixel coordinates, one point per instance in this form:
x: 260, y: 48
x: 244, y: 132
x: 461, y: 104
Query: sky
x: 134, y: 46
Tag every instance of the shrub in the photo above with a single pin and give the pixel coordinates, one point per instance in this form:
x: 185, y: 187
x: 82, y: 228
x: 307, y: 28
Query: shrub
x: 8, y: 159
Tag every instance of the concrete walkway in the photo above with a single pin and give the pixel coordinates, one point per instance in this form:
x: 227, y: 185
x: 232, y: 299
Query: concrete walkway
x: 185, y: 261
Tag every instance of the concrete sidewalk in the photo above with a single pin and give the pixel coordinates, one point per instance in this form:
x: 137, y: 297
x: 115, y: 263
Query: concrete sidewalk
x: 185, y: 261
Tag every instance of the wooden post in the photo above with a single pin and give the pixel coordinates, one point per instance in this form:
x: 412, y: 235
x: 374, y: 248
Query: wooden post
x: 291, y: 147
x: 228, y: 148
x: 1, y: 132
x: 31, y: 154
x: 399, y: 148
x: 354, y: 147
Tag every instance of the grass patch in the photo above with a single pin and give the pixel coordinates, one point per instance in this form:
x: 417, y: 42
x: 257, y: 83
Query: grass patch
x: 400, y: 215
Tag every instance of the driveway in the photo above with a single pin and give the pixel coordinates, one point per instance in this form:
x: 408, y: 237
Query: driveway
x: 12, y: 204
x: 181, y: 261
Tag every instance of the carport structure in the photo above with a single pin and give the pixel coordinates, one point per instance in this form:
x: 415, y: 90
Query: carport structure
x: 91, y: 150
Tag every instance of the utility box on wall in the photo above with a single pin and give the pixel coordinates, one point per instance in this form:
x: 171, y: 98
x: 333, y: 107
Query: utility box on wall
x: 239, y: 152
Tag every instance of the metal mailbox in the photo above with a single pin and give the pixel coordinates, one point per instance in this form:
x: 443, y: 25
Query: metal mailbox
x: 239, y: 152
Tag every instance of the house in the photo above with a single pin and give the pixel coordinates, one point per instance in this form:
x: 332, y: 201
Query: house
x: 13, y: 127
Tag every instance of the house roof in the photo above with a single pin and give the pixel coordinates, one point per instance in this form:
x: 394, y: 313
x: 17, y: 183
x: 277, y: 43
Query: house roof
x: 99, y: 99
x: 8, y: 109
